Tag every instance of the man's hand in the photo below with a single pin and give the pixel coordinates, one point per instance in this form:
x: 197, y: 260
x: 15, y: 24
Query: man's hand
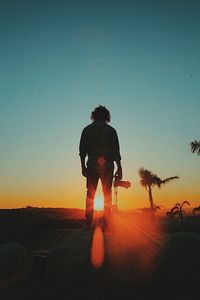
x: 83, y: 167
x: 84, y: 171
x: 118, y: 173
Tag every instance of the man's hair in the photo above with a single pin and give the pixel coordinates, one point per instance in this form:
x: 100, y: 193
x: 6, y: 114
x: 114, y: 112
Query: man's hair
x: 100, y: 113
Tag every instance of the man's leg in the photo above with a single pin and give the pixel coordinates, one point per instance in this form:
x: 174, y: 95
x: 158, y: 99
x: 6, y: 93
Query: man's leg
x: 107, y: 180
x: 92, y: 181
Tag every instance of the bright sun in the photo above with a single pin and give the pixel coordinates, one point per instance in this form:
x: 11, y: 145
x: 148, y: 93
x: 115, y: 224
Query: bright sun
x: 98, y: 203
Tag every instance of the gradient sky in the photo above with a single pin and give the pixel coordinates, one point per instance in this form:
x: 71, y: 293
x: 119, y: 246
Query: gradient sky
x: 61, y: 59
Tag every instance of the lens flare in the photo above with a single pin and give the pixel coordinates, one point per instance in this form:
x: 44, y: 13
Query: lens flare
x: 97, y: 251
x: 101, y: 161
x: 134, y: 246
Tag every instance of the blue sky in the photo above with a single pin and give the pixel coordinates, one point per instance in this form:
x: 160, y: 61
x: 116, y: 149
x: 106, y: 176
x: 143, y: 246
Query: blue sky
x: 60, y: 59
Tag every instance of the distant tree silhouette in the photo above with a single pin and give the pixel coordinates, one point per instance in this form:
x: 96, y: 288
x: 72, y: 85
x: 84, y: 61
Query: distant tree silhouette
x: 195, y: 146
x: 149, y: 180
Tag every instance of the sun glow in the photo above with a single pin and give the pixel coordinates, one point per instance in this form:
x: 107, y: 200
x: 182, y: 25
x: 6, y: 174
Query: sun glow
x: 98, y: 203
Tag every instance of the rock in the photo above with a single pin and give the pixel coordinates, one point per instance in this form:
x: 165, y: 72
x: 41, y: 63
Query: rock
x: 14, y: 259
x: 39, y: 266
x: 69, y: 259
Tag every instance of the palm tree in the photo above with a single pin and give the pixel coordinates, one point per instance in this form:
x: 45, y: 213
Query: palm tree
x: 149, y: 180
x: 195, y: 146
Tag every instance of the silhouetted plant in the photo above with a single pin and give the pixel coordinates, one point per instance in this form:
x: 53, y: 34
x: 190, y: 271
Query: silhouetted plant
x: 147, y: 210
x: 177, y: 210
x: 195, y: 209
x: 181, y: 211
x: 162, y: 206
x: 173, y: 212
x: 149, y: 180
x: 156, y: 207
x: 195, y: 146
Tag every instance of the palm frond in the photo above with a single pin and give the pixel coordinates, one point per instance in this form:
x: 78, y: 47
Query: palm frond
x: 176, y: 212
x: 166, y: 180
x: 146, y: 177
x: 195, y: 210
x: 162, y: 206
x: 185, y: 202
x: 183, y: 212
x: 175, y: 208
x: 157, y: 180
x: 195, y: 146
x: 156, y: 207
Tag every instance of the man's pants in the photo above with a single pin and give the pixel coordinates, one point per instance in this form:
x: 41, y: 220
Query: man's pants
x: 106, y: 177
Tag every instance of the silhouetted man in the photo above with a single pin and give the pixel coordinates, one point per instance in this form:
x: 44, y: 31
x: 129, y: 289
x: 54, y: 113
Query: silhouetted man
x: 99, y: 142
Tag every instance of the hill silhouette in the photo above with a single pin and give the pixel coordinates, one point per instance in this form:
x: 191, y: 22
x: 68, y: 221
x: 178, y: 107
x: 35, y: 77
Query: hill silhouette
x: 140, y: 255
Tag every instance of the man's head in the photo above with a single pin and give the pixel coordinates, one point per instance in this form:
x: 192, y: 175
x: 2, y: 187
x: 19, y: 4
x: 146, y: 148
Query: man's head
x: 101, y: 113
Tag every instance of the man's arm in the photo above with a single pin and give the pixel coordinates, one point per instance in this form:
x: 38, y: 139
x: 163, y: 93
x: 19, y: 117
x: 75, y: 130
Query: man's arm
x: 83, y: 167
x: 118, y: 173
x: 83, y: 152
x: 116, y: 154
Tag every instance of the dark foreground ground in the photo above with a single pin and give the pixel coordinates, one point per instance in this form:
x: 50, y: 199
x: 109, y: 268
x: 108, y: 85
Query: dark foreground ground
x: 138, y: 258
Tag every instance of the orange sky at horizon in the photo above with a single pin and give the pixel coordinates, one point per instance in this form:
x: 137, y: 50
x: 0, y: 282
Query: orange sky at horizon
x: 134, y: 197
